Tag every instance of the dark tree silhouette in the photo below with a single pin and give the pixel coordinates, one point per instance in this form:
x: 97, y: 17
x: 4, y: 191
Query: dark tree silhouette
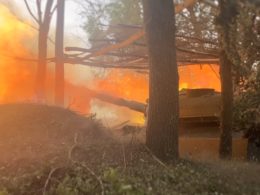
x: 226, y: 16
x: 162, y: 127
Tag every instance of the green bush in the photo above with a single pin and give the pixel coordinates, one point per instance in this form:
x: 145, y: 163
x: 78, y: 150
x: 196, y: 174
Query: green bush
x: 247, y: 108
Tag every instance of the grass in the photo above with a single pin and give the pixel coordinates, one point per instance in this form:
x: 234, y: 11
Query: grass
x: 48, y: 150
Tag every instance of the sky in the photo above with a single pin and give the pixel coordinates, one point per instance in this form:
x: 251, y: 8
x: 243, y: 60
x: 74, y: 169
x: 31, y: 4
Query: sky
x: 73, y: 20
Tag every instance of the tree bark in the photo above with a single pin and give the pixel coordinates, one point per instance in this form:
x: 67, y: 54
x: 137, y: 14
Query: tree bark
x: 226, y: 18
x: 163, y: 114
x: 41, y: 67
x: 59, y: 69
x: 225, y: 148
x: 44, y: 26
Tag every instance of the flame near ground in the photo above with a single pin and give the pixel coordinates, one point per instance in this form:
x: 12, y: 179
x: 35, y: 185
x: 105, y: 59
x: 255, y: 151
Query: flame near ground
x: 17, y: 77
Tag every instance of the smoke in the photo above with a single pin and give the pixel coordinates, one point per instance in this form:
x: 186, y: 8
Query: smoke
x: 17, y: 73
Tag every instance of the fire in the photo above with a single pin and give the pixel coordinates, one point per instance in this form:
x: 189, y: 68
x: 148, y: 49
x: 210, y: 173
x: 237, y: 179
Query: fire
x: 134, y: 86
x: 15, y: 76
x: 126, y: 84
x: 199, y: 76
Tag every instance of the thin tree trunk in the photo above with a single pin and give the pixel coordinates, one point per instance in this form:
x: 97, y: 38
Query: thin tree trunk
x: 41, y: 68
x: 59, y: 80
x: 163, y: 114
x: 225, y: 149
x: 44, y: 26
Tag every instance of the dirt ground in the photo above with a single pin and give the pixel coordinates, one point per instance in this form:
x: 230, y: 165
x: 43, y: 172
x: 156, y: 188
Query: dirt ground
x: 49, y: 150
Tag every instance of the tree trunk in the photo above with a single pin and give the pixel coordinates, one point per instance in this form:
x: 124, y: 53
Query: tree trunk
x: 44, y: 27
x: 163, y: 114
x: 59, y: 80
x: 42, y: 62
x: 225, y: 149
x: 226, y: 19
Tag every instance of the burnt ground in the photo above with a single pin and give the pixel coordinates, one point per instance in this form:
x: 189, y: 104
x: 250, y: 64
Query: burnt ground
x: 49, y: 150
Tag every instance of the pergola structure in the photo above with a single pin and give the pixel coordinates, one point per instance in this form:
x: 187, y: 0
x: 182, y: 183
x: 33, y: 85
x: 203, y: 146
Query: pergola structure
x: 129, y: 50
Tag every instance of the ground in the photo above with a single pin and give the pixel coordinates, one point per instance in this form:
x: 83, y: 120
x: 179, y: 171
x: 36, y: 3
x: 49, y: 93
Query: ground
x: 49, y: 150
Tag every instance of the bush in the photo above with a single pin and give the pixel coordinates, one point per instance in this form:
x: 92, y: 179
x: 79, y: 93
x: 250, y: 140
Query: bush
x: 247, y: 110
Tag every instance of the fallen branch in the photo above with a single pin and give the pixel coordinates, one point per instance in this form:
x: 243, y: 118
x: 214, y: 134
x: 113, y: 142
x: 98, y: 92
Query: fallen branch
x: 153, y: 156
x: 48, y: 180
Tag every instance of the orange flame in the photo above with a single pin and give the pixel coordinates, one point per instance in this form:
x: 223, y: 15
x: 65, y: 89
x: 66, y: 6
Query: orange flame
x: 134, y: 86
x: 17, y: 77
x: 125, y: 84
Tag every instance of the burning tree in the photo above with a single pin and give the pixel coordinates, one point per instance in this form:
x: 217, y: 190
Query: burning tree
x: 162, y: 128
x: 43, y: 19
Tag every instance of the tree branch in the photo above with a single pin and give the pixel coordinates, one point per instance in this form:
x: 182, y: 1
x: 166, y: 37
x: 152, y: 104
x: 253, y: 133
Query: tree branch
x: 39, y: 10
x: 53, y: 10
x: 196, y: 52
x: 137, y: 35
x: 197, y: 39
x: 47, y: 14
x: 37, y: 29
x: 30, y: 12
x: 122, y: 44
x: 100, y: 65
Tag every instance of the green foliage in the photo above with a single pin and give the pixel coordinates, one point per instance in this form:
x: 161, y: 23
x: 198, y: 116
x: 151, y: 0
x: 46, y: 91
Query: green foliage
x: 73, y: 185
x: 247, y: 107
x: 119, y: 184
x: 100, y: 15
x: 240, y: 38
x: 125, y: 12
x: 144, y: 176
